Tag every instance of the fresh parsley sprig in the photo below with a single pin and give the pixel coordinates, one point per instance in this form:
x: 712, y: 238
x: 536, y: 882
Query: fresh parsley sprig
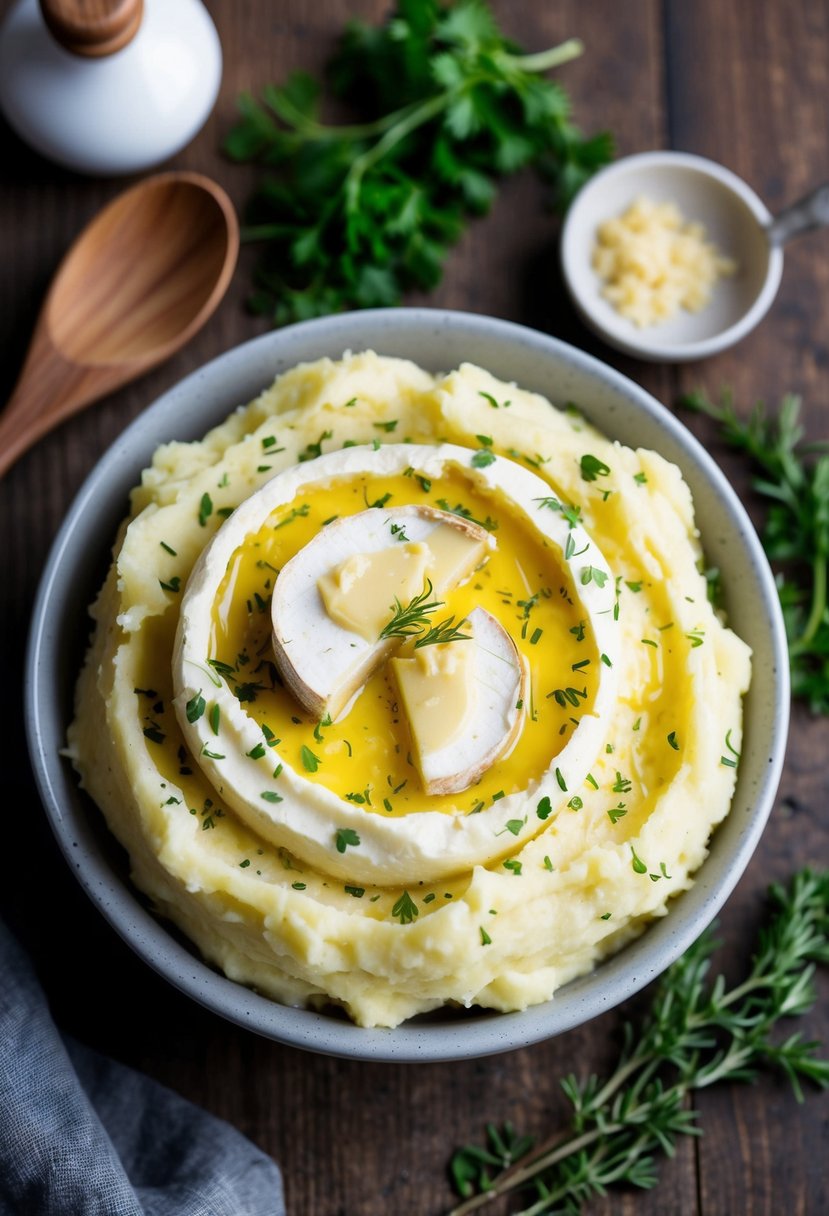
x: 794, y: 479
x: 351, y: 216
x: 697, y: 1033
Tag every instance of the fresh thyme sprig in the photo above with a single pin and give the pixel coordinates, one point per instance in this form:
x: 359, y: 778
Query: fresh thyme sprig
x: 696, y: 1034
x: 794, y: 478
x: 414, y: 620
x: 350, y: 216
x: 443, y: 632
x: 410, y: 620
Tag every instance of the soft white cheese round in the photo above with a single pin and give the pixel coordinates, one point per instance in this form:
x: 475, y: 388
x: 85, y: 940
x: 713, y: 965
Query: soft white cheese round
x: 309, y: 819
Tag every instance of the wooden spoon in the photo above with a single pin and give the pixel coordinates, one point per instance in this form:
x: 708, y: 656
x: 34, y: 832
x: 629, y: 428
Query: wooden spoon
x: 138, y: 282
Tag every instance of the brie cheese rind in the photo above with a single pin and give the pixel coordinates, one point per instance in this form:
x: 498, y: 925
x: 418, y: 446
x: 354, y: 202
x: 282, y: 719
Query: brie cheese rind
x: 325, y: 663
x: 303, y: 816
x: 452, y: 753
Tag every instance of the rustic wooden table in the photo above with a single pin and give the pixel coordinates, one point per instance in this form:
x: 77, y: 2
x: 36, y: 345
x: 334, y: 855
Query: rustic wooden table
x: 744, y: 83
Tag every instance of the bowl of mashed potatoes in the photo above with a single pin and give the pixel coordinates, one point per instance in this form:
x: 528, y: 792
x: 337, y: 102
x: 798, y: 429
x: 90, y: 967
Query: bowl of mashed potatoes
x: 409, y: 727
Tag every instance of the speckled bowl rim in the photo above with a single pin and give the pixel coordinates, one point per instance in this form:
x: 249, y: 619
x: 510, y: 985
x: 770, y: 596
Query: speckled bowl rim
x: 439, y: 340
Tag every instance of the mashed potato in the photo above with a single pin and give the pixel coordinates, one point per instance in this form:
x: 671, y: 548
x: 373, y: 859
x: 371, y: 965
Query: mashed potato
x: 302, y: 857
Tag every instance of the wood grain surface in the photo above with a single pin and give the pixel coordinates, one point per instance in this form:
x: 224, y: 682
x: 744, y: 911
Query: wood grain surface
x: 746, y: 83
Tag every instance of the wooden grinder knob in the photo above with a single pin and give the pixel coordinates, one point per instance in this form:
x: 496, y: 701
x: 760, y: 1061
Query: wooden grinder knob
x: 93, y: 28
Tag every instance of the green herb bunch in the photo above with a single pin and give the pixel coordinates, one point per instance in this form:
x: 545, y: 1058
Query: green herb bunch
x: 697, y: 1033
x: 353, y: 215
x: 794, y: 478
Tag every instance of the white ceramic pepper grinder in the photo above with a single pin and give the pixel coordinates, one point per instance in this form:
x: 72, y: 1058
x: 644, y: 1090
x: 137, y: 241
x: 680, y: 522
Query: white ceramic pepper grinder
x: 108, y: 86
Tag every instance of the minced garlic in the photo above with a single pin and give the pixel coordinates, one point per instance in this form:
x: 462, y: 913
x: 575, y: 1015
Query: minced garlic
x: 653, y: 262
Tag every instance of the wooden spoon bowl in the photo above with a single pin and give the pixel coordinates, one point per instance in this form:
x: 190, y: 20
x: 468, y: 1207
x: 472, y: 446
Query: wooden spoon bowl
x: 137, y: 283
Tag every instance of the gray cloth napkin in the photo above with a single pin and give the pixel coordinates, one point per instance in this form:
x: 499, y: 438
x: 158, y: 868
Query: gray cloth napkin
x: 81, y: 1135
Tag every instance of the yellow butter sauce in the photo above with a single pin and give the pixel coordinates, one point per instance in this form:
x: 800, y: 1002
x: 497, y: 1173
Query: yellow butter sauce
x: 366, y: 756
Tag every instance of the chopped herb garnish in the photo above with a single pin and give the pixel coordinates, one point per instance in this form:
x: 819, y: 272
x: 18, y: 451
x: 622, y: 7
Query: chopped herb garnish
x: 568, y: 696
x: 380, y: 502
x: 591, y: 468
x: 405, y: 909
x: 271, y: 796
x: 295, y: 513
x: 592, y: 574
x: 312, y: 450
x: 310, y: 762
x: 205, y: 509
x: 490, y: 525
x: 346, y: 837
x: 496, y: 405
x: 324, y: 721
x: 224, y: 669
x: 482, y: 459
x: 727, y: 760
x: 195, y: 707
x: 544, y: 808
x: 173, y: 584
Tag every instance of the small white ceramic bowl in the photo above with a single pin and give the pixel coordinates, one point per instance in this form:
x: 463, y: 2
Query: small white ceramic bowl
x: 439, y: 341
x: 735, y: 220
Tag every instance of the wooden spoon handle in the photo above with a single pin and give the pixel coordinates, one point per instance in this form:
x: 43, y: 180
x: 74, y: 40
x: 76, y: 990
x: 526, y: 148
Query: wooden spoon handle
x: 48, y: 385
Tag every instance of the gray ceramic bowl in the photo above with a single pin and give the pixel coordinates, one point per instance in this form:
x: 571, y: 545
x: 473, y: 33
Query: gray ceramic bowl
x: 439, y: 341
